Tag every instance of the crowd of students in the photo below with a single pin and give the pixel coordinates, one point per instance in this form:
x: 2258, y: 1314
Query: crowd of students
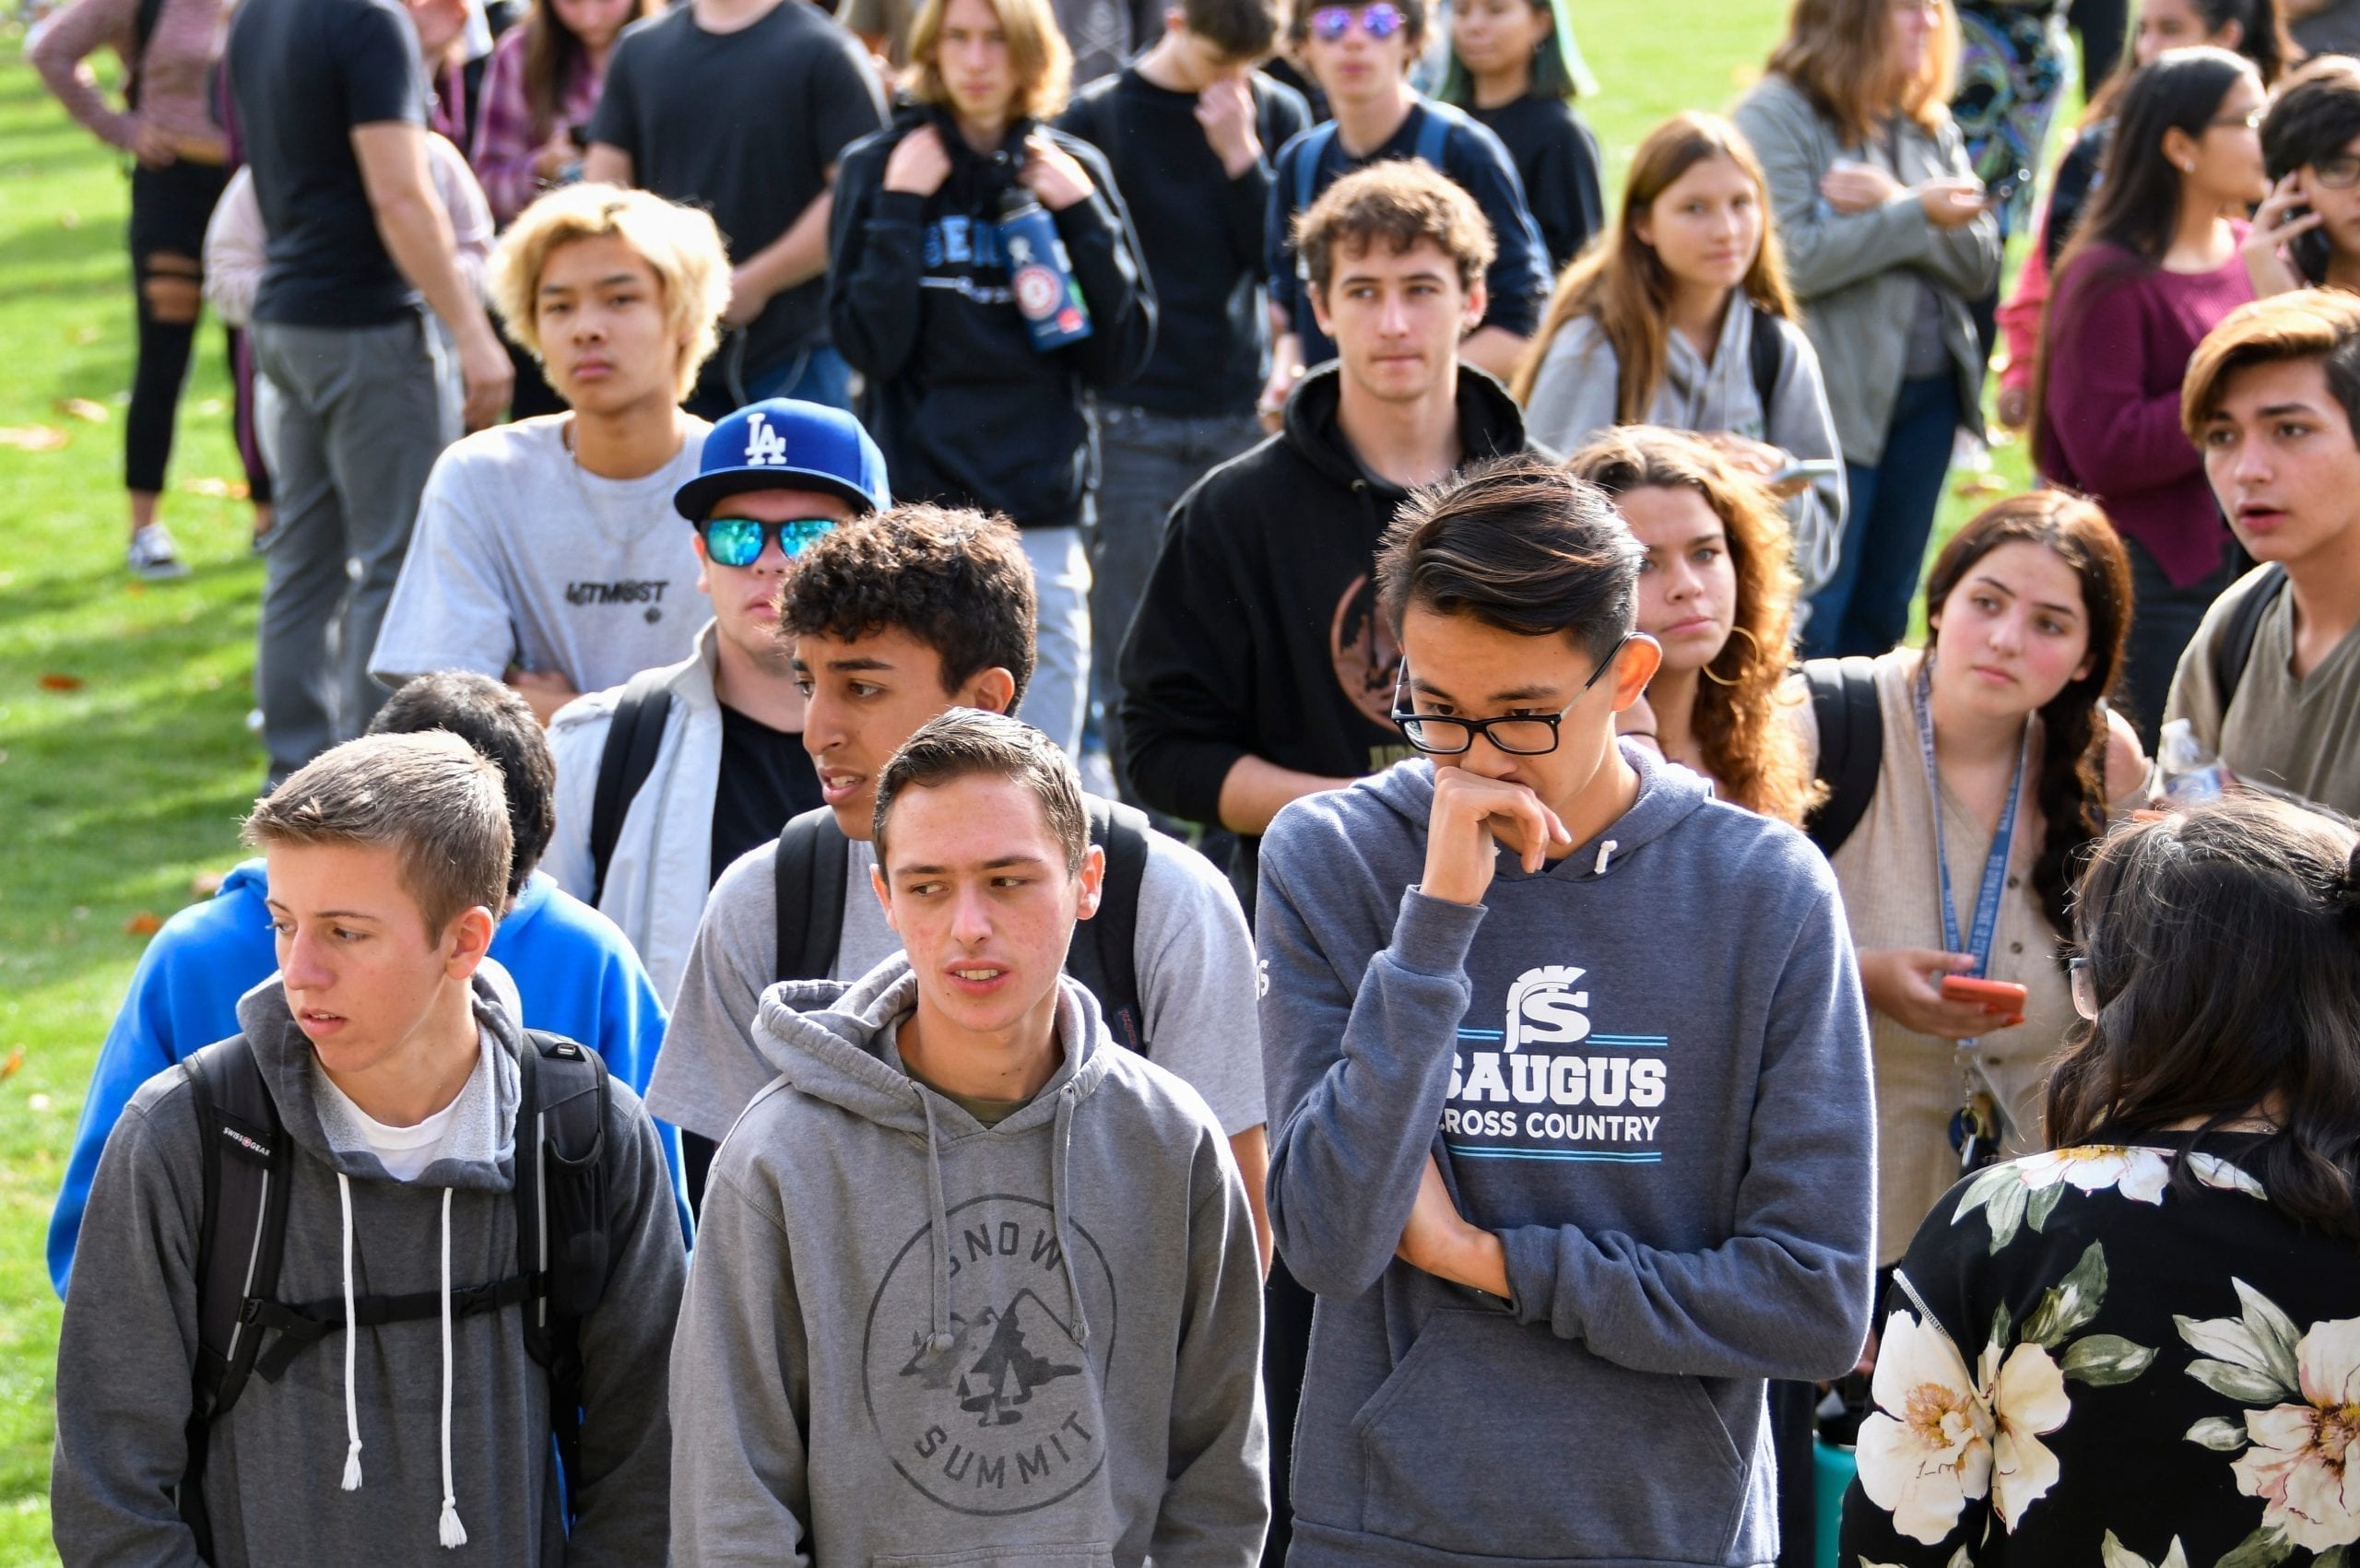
x: 1094, y: 839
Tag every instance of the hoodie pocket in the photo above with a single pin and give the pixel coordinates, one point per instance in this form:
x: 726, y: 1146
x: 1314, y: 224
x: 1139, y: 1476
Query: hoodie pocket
x: 1088, y: 1554
x: 1493, y: 1438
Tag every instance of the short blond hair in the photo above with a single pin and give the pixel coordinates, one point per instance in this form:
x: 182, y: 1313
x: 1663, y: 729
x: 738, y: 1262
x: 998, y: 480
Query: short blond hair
x: 1037, y: 52
x: 429, y: 796
x: 679, y: 244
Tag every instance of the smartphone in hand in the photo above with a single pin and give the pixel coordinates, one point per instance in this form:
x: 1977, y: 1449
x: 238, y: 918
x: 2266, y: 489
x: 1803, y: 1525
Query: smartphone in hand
x: 1998, y: 995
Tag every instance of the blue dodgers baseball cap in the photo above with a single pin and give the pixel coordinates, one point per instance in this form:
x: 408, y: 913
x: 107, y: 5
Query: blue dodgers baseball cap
x: 782, y: 444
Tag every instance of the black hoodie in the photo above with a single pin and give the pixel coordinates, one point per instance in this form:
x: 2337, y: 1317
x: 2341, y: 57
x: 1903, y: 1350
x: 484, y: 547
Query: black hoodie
x: 1258, y: 634
x: 965, y: 410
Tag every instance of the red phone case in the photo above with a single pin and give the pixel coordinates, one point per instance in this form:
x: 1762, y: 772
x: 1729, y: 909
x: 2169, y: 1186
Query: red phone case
x: 2005, y: 993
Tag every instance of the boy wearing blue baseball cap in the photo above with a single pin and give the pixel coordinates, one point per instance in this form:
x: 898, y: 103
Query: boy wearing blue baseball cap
x: 546, y: 552
x: 663, y: 781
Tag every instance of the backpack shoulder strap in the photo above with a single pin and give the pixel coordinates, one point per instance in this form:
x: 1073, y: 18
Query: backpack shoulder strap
x: 142, y: 28
x: 565, y: 1248
x: 241, y: 1234
x: 1307, y: 157
x: 1103, y: 955
x: 1437, y: 121
x: 2235, y: 650
x: 1851, y: 746
x: 1766, y: 357
x: 634, y: 734
x: 813, y: 856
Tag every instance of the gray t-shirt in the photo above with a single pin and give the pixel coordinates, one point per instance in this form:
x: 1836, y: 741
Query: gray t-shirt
x: 521, y: 556
x: 1196, y: 967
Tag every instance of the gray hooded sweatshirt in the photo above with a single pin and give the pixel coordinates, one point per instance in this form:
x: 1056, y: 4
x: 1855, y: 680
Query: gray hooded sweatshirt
x: 910, y: 1338
x: 274, y: 1469
x: 1647, y: 1070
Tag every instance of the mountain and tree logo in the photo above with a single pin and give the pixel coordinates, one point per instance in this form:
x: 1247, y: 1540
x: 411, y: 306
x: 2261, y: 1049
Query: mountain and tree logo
x: 1005, y: 1420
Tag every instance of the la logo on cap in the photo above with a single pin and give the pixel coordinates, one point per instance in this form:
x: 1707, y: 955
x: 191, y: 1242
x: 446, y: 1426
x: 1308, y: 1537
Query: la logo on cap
x: 765, y: 448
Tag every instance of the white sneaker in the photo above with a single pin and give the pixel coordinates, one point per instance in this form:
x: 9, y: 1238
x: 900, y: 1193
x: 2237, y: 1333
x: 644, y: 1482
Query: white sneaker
x: 153, y: 555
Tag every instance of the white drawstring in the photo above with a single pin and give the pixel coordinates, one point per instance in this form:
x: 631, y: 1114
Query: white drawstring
x: 1604, y: 851
x: 454, y: 1534
x: 352, y: 1338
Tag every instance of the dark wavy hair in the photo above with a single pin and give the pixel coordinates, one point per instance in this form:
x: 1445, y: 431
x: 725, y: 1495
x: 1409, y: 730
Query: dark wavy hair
x: 2314, y: 115
x: 1750, y: 745
x: 495, y: 719
x: 954, y: 580
x: 2223, y: 947
x: 2071, y: 790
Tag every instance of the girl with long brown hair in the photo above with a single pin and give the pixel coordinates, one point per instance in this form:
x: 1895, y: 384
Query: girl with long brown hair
x: 1998, y: 765
x: 1717, y: 593
x: 538, y: 93
x: 1680, y: 317
x: 1887, y: 234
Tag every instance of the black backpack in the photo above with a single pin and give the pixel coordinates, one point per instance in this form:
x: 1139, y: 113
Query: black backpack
x: 814, y: 858
x: 633, y: 737
x: 2235, y: 651
x: 564, y: 1250
x: 1851, y: 746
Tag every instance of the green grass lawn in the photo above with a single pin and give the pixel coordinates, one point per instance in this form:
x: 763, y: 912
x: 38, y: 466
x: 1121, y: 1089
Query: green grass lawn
x: 124, y: 761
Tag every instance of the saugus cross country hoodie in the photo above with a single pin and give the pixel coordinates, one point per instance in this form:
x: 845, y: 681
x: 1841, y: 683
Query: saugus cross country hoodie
x: 273, y: 1479
x: 911, y: 1338
x: 1647, y: 1070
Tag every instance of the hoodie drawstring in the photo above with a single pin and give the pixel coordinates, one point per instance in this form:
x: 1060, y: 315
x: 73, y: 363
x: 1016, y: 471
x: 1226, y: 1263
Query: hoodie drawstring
x: 939, y: 1341
x: 1060, y: 1157
x: 1605, y: 851
x: 452, y: 1533
x: 351, y: 1340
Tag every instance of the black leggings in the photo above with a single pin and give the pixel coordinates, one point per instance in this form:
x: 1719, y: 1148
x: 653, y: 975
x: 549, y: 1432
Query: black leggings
x: 169, y: 207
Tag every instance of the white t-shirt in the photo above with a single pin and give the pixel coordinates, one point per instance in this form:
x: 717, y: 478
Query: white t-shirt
x: 404, y: 1151
x: 523, y: 557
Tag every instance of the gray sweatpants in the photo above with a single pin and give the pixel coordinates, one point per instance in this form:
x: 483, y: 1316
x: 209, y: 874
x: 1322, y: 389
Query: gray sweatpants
x: 360, y: 416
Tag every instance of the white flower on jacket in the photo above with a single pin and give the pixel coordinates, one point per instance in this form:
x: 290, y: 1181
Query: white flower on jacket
x: 2026, y: 1396
x: 2137, y: 1173
x: 1925, y: 1451
x: 2303, y: 1456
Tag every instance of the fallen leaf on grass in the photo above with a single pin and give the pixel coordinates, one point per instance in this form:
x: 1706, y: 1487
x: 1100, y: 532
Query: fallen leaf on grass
x: 68, y: 219
x: 1979, y: 484
x: 82, y: 408
x: 220, y: 490
x: 16, y: 1059
x: 88, y: 334
x: 36, y: 1102
x: 143, y: 924
x: 33, y: 438
x: 53, y: 680
x: 205, y: 884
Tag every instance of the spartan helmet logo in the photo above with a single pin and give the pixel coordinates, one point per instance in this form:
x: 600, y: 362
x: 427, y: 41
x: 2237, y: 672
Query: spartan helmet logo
x: 1545, y: 1010
x: 765, y: 448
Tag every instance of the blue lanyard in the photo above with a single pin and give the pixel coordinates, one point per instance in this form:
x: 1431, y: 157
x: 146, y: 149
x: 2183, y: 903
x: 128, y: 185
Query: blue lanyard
x: 1995, y: 865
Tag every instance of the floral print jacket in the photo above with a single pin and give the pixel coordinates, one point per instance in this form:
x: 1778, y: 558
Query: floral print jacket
x: 2079, y: 1365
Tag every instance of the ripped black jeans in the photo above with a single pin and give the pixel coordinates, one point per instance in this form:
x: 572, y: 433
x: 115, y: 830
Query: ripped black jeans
x: 169, y: 207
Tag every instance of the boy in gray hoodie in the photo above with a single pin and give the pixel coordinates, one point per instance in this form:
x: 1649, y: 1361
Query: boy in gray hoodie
x: 972, y: 1284
x: 394, y: 1071
x: 1573, y: 1135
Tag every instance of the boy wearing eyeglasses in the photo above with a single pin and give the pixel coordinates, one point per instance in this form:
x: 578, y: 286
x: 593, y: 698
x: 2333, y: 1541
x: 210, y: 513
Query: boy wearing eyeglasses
x: 663, y: 781
x: 1569, y: 1076
x: 1360, y: 53
x: 545, y: 552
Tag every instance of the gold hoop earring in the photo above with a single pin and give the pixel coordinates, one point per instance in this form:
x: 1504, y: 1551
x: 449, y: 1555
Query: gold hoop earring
x: 1754, y: 646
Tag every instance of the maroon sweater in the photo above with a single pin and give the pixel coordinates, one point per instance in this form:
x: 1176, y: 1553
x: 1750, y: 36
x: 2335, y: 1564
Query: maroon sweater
x: 2120, y: 334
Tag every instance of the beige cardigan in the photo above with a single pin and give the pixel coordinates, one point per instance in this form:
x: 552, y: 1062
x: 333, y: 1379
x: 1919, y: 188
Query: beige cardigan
x: 1886, y: 872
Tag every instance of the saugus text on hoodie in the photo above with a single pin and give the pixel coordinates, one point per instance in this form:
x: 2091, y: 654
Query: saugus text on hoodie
x: 1647, y: 1070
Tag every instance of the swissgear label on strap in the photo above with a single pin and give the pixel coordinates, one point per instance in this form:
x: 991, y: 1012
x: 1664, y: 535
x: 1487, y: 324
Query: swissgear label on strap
x: 245, y: 1142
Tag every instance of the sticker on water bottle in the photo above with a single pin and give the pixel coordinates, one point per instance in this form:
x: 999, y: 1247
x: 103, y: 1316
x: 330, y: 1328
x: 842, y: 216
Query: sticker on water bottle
x: 1040, y: 292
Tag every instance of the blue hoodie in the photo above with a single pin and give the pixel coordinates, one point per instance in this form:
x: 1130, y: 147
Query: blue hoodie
x: 575, y: 972
x: 1649, y: 1076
